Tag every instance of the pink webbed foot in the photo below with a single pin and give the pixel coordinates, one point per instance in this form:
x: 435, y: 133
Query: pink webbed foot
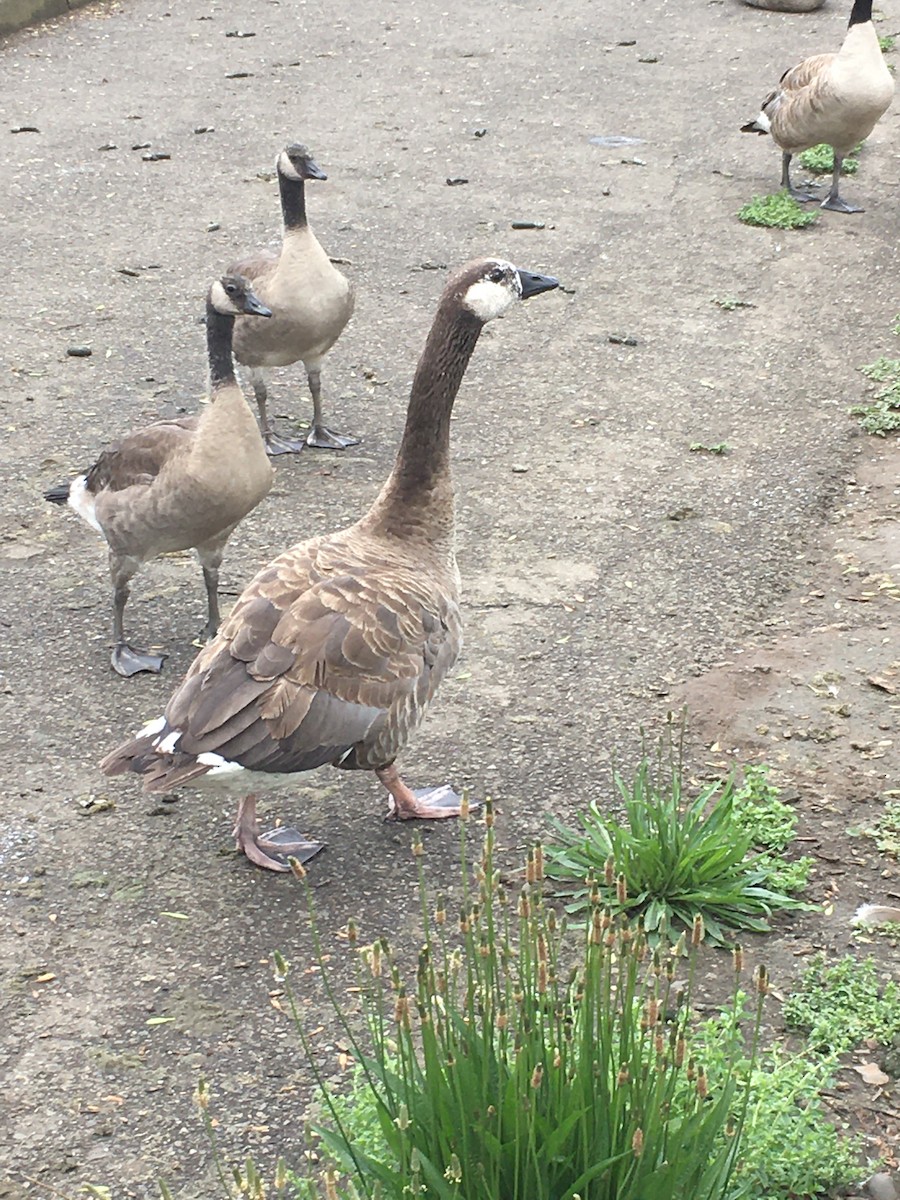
x: 270, y: 850
x: 424, y: 804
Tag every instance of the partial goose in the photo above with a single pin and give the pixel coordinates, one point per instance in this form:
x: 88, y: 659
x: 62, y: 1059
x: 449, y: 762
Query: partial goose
x: 335, y: 650
x: 832, y: 98
x: 180, y: 484
x: 311, y: 302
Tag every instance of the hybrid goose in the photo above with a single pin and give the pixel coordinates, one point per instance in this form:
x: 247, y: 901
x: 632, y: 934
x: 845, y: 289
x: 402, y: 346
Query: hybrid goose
x: 335, y: 650
x: 832, y: 98
x: 180, y: 484
x: 311, y: 302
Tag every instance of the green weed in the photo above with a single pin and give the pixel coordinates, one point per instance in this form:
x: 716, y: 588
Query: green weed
x: 887, y: 43
x: 705, y: 448
x: 730, y: 303
x: 778, y: 211
x: 671, y: 859
x: 841, y: 1005
x: 771, y: 825
x: 820, y: 160
x: 529, y: 1060
x: 881, y: 415
x: 790, y: 1148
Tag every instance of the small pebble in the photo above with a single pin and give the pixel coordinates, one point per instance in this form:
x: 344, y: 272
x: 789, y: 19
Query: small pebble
x: 213, y: 226
x: 239, y: 33
x: 528, y: 225
x: 205, y: 129
x: 479, y: 133
x: 621, y: 339
x: 79, y: 352
x: 882, y: 1187
x: 141, y: 146
x: 456, y: 181
x: 155, y: 156
x: 24, y: 129
x: 108, y: 146
x: 519, y: 469
x: 239, y: 75
x: 648, y: 58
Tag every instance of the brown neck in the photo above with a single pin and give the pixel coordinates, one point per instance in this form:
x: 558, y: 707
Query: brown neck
x: 419, y: 493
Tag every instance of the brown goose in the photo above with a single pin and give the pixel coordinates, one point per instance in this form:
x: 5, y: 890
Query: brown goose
x: 833, y: 98
x: 336, y: 648
x: 311, y: 302
x: 180, y: 484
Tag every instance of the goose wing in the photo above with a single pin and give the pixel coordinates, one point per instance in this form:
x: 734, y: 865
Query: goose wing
x: 805, y: 73
x: 138, y: 457
x: 327, y: 655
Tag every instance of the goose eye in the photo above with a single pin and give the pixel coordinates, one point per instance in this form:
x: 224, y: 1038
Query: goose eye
x: 496, y: 275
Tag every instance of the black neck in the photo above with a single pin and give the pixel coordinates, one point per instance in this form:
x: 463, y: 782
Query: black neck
x: 219, y: 330
x: 424, y: 454
x: 293, y: 202
x: 862, y: 12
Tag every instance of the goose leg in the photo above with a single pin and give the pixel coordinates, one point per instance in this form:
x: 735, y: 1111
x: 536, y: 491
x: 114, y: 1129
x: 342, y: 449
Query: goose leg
x: 833, y: 199
x: 271, y: 850
x: 275, y: 443
x: 125, y: 659
x: 423, y: 804
x: 210, y: 555
x: 800, y: 197
x: 320, y: 436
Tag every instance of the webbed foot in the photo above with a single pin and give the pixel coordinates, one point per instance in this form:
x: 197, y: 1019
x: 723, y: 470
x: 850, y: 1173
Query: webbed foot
x: 270, y: 850
x: 276, y: 444
x: 127, y: 661
x: 321, y: 438
x: 836, y: 204
x: 801, y: 197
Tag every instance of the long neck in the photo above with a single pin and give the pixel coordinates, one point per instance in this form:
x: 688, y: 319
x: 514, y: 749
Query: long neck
x: 219, y: 330
x: 293, y: 202
x: 419, y: 486
x: 862, y: 12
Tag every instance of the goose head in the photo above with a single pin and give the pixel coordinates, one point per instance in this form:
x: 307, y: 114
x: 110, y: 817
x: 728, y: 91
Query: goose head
x: 488, y: 286
x: 232, y: 296
x: 295, y: 162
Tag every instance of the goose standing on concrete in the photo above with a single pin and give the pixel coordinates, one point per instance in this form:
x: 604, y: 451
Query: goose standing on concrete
x: 180, y: 484
x: 311, y: 302
x: 335, y: 650
x: 832, y: 98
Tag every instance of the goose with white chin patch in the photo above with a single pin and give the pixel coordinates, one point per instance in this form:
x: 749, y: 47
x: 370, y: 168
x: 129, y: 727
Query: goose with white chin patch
x: 181, y: 484
x: 311, y: 302
x: 334, y: 651
x: 836, y: 99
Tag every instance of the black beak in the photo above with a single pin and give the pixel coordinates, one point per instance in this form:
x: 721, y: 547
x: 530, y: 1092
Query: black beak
x: 533, y: 285
x: 254, y: 307
x: 312, y: 170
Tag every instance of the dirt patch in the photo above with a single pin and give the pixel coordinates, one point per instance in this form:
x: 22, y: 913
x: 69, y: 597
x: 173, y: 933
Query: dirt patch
x: 616, y: 566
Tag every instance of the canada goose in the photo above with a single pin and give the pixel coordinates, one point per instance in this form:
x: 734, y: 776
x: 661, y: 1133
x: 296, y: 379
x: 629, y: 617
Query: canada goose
x: 334, y: 651
x: 832, y: 98
x: 179, y: 484
x: 311, y: 302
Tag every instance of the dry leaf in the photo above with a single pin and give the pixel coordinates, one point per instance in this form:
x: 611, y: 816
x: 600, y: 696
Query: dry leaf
x: 872, y: 1074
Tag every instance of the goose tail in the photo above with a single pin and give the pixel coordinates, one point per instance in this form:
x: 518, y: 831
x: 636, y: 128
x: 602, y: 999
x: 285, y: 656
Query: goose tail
x: 59, y: 493
x: 759, y: 124
x: 153, y: 755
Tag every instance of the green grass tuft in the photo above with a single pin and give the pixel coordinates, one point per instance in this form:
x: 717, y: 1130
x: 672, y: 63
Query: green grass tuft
x: 820, y: 160
x: 778, y: 211
x: 887, y: 43
x: 671, y: 860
